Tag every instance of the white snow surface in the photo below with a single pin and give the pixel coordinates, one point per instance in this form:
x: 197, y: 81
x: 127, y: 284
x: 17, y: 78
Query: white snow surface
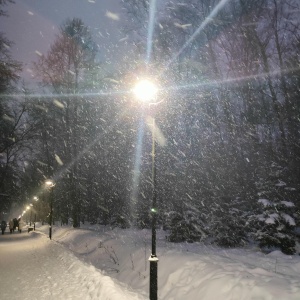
x: 98, y: 262
x: 290, y: 220
x: 287, y: 203
x: 264, y: 202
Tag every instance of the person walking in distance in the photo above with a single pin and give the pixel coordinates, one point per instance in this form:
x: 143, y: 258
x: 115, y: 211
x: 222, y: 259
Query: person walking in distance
x: 11, y: 226
x: 3, y: 226
x: 20, y: 225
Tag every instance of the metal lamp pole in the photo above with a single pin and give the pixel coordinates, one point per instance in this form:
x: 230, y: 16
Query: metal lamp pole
x: 153, y: 258
x: 50, y: 184
x: 36, y: 199
x: 51, y: 212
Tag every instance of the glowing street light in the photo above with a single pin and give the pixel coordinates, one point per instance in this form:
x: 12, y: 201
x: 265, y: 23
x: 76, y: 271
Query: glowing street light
x: 35, y: 198
x: 146, y: 91
x: 30, y: 205
x: 50, y: 184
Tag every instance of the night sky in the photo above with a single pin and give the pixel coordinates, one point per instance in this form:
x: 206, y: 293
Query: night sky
x: 33, y: 24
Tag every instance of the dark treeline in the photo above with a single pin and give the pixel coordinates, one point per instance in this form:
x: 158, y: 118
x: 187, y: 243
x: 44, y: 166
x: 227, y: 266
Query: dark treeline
x: 228, y: 155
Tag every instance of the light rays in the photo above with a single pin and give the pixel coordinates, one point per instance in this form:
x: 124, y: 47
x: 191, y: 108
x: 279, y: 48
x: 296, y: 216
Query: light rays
x: 89, y: 147
x: 137, y: 161
x: 232, y: 80
x: 141, y: 128
x: 51, y: 95
x: 156, y: 132
x: 140, y: 135
x: 274, y: 73
x: 208, y: 19
x: 64, y: 170
x: 151, y: 23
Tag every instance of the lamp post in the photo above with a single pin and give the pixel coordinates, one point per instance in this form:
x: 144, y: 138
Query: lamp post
x: 30, y: 207
x: 36, y: 199
x: 50, y: 185
x: 146, y: 91
x: 27, y: 208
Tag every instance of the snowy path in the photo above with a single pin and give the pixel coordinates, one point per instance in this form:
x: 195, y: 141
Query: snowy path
x: 33, y: 267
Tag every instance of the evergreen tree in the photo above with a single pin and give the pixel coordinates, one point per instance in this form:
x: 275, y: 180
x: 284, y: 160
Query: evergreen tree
x: 228, y: 222
x: 275, y: 219
x: 185, y: 227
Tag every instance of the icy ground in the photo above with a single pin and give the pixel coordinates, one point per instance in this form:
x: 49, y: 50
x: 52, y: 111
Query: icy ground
x: 97, y: 262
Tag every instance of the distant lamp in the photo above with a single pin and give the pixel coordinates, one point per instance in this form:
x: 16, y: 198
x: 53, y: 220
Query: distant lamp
x: 50, y: 184
x: 35, y: 198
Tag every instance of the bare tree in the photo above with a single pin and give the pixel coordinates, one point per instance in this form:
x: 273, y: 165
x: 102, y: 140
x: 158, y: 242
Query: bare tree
x: 66, y: 69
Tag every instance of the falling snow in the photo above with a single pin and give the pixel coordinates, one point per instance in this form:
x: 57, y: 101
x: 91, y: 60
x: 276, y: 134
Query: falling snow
x: 210, y: 157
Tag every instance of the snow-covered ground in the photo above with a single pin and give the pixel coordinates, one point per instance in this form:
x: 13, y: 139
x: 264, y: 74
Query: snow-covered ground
x: 97, y: 262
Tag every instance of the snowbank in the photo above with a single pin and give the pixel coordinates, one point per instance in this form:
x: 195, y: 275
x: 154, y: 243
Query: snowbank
x: 185, y: 271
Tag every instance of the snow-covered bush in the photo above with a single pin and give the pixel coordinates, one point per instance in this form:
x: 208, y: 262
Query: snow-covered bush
x: 274, y: 221
x: 183, y: 227
x: 227, y: 226
x: 120, y: 221
x: 276, y: 225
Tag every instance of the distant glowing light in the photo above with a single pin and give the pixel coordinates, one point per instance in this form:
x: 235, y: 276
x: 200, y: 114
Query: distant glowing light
x: 49, y: 183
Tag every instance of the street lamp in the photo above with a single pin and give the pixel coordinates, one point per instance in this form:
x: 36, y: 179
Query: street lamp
x: 36, y: 199
x: 146, y: 91
x: 50, y: 184
x: 27, y: 208
x: 30, y: 215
